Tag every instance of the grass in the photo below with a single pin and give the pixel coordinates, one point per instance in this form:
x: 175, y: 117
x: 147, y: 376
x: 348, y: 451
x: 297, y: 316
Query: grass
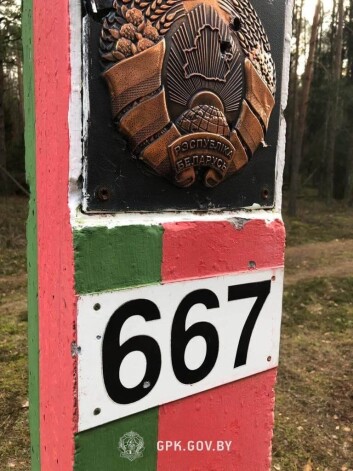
x: 314, y: 413
x: 318, y: 223
x: 13, y: 211
x: 314, y: 405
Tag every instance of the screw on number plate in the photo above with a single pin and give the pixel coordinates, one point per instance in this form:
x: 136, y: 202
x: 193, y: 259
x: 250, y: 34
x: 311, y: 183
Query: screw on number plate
x: 252, y: 265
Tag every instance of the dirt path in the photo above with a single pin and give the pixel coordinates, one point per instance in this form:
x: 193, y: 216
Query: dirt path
x: 322, y: 259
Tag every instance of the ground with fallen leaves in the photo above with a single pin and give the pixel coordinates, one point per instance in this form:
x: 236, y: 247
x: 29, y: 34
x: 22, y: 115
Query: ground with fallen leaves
x: 314, y: 394
x: 14, y: 434
x: 314, y: 407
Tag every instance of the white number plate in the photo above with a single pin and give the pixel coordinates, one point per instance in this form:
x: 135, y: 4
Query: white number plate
x: 142, y: 347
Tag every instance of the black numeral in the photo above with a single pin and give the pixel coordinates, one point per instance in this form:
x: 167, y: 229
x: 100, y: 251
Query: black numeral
x: 181, y: 337
x: 260, y: 291
x: 114, y: 353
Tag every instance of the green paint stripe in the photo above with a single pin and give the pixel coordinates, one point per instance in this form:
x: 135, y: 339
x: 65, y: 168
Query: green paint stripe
x: 33, y: 327
x: 117, y: 258
x: 111, y: 259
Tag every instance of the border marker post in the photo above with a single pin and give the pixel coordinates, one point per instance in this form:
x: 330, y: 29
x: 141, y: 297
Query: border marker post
x: 153, y: 330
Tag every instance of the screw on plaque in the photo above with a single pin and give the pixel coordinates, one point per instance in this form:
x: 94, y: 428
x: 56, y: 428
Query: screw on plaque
x: 265, y: 193
x: 103, y: 193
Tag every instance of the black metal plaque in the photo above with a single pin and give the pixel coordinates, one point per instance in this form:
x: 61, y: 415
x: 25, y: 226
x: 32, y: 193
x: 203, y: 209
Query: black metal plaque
x: 184, y: 104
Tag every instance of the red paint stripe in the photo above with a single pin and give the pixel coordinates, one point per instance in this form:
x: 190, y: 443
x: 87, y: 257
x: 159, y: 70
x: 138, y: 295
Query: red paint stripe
x: 241, y: 411
x: 194, y: 250
x: 57, y: 303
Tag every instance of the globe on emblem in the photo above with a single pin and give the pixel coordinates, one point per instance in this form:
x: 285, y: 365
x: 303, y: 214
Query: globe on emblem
x: 205, y: 118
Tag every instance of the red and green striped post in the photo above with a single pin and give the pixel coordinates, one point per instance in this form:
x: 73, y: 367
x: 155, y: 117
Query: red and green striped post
x: 70, y: 255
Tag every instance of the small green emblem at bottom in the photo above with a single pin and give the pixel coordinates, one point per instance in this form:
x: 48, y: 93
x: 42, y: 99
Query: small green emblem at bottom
x: 131, y: 445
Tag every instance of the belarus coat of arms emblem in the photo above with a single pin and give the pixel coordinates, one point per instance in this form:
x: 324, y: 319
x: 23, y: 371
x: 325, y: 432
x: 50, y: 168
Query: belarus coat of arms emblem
x: 192, y: 84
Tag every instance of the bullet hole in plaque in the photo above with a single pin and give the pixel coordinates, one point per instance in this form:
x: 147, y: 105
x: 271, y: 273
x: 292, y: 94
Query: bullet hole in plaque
x: 225, y: 47
x: 252, y: 265
x: 97, y: 411
x: 96, y: 307
x: 236, y: 24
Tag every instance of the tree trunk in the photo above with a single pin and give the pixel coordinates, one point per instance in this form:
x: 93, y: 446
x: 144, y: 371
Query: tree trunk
x: 348, y: 191
x: 303, y: 109
x: 3, y: 178
x: 322, y: 188
x: 20, y: 89
x: 294, y: 84
x: 332, y: 128
x: 349, y: 32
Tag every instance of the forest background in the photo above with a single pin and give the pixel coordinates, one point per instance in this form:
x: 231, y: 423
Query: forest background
x: 319, y: 152
x: 314, y: 396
